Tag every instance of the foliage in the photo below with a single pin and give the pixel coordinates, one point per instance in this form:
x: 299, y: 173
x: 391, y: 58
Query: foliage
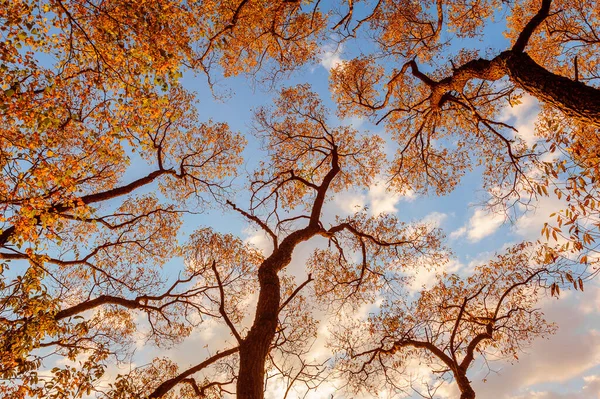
x: 103, y: 154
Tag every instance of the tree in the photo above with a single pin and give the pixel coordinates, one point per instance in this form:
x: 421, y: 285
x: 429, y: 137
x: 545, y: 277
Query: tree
x: 90, y: 87
x: 414, y: 32
x: 490, y: 313
x: 308, y: 159
x: 86, y: 87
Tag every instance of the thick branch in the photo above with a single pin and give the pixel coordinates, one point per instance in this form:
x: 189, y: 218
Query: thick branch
x: 98, y: 197
x: 101, y: 300
x: 470, y: 354
x: 428, y: 346
x: 140, y: 302
x: 315, y: 214
x: 170, y: 383
x: 574, y: 99
x: 455, y: 329
x: 531, y: 26
x: 123, y: 190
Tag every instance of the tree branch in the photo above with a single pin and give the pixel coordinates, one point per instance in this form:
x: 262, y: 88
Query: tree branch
x: 296, y: 291
x: 531, y: 26
x: 222, y: 305
x: 170, y: 383
x: 256, y: 220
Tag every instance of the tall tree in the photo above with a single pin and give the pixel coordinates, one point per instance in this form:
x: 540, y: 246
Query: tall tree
x: 89, y: 88
x: 308, y: 162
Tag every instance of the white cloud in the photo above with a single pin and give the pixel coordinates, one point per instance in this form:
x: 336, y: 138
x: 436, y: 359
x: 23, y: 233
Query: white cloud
x: 260, y: 240
x: 458, y: 233
x: 523, y: 117
x: 483, y: 224
x: 381, y: 200
x: 330, y: 56
x: 435, y: 219
x: 530, y: 224
x: 590, y: 389
x: 424, y: 278
x: 479, y: 226
x: 378, y: 199
x: 569, y: 354
x: 350, y: 203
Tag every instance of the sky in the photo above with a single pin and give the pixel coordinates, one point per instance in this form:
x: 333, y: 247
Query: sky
x: 563, y: 366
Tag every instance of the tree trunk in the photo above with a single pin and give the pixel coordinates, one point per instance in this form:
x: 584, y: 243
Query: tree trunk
x: 255, y: 346
x: 464, y: 385
x: 574, y: 99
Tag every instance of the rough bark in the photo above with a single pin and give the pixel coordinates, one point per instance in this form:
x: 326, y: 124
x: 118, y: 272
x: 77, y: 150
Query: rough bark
x: 255, y: 346
x: 574, y: 99
x: 464, y: 385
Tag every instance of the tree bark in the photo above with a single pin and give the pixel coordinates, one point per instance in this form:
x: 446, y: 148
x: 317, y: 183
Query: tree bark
x: 573, y: 98
x: 256, y: 345
x: 464, y: 385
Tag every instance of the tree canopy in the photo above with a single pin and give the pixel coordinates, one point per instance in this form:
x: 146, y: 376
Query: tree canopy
x: 105, y: 155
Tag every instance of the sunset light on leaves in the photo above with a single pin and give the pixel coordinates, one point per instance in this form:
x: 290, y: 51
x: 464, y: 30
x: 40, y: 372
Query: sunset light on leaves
x: 292, y: 199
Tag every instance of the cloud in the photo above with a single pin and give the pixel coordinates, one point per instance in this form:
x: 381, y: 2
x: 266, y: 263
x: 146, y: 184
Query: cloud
x: 479, y: 226
x: 425, y: 278
x: 573, y: 351
x: 483, y: 224
x: 381, y: 200
x: 354, y: 121
x: 590, y: 389
x: 378, y: 199
x: 523, y: 117
x: 330, y: 56
x: 458, y: 233
x: 530, y: 224
x: 435, y: 219
x: 260, y: 240
x: 350, y: 203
